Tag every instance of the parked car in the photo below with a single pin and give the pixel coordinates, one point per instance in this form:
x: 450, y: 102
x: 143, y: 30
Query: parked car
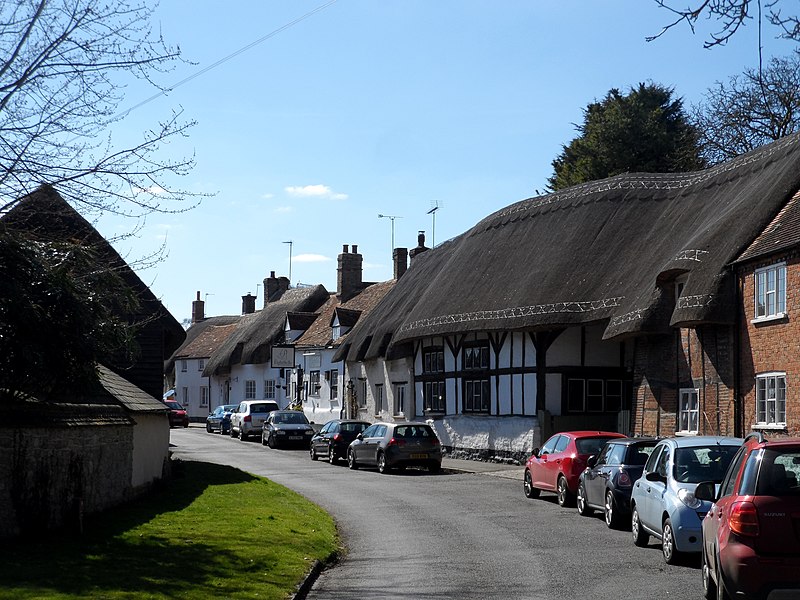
x: 608, y: 479
x: 663, y: 502
x: 333, y: 439
x: 286, y: 428
x: 177, y: 414
x: 559, y: 463
x: 220, y: 418
x: 396, y: 446
x: 751, y: 534
x: 248, y: 418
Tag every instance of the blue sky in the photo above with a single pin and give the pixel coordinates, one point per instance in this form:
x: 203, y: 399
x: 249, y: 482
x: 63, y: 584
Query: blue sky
x: 383, y: 107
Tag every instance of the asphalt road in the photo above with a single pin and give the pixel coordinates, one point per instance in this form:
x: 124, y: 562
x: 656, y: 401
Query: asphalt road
x: 453, y: 535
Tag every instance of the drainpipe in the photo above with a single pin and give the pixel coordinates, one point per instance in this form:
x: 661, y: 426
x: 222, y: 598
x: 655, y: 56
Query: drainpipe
x: 737, y: 355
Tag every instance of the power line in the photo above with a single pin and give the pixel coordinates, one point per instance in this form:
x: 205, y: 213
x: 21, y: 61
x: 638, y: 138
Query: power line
x: 226, y: 59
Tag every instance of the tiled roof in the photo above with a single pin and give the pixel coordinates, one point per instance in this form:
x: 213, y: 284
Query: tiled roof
x: 205, y: 337
x: 128, y: 395
x: 782, y: 233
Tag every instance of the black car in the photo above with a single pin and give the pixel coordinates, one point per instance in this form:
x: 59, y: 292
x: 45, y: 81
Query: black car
x: 220, y: 418
x: 333, y: 439
x: 607, y: 481
x: 286, y: 428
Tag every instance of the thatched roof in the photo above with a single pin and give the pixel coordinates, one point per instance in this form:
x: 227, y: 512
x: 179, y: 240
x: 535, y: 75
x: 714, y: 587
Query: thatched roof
x: 256, y: 332
x: 203, y: 338
x: 606, y: 251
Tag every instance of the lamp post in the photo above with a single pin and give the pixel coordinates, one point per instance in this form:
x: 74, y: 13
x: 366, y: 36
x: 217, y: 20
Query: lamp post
x: 391, y: 218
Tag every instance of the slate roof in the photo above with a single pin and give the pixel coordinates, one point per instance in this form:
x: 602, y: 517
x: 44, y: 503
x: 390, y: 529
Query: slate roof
x: 128, y: 395
x: 598, y: 252
x: 256, y: 332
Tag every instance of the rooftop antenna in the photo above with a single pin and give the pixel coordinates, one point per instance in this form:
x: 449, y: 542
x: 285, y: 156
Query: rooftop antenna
x: 391, y: 218
x: 290, y: 242
x: 432, y: 212
x: 258, y: 285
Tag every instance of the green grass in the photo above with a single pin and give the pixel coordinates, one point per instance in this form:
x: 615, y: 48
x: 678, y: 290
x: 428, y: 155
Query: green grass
x: 210, y: 532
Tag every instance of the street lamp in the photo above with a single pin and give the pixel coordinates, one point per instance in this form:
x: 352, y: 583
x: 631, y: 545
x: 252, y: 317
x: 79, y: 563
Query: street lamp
x: 391, y: 218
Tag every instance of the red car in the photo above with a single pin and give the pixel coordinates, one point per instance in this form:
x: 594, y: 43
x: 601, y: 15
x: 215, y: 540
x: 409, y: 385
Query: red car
x: 751, y: 535
x: 558, y: 465
x: 177, y: 414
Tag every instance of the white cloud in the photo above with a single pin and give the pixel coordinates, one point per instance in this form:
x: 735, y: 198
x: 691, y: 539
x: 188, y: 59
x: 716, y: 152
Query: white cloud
x: 314, y: 191
x: 283, y: 209
x: 309, y: 258
x: 267, y: 196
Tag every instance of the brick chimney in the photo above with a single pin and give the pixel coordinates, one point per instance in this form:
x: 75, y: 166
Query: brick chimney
x: 420, y: 246
x: 248, y: 304
x: 274, y: 287
x: 348, y: 273
x: 400, y: 261
x: 198, y: 310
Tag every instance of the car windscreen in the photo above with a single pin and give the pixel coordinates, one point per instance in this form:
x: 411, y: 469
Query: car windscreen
x: 779, y: 473
x: 414, y: 431
x: 173, y: 405
x: 353, y: 427
x: 262, y: 408
x: 590, y: 445
x: 702, y: 463
x: 637, y: 454
x: 292, y: 418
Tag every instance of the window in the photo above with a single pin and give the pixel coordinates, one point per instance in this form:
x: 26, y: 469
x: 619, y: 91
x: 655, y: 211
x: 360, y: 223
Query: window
x: 400, y: 398
x: 378, y: 398
x: 549, y: 445
x: 771, y: 399
x: 561, y: 444
x: 313, y: 383
x: 336, y: 332
x: 185, y: 396
x: 433, y: 360
x: 476, y: 357
x: 362, y: 393
x: 334, y: 381
x: 433, y: 393
x: 250, y: 389
x: 269, y: 389
x: 476, y: 395
x: 184, y: 365
x: 203, y: 396
x: 689, y: 411
x: 594, y: 395
x: 201, y: 364
x: 770, y: 288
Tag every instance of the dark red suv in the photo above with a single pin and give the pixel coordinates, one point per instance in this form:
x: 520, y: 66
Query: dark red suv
x: 751, y: 535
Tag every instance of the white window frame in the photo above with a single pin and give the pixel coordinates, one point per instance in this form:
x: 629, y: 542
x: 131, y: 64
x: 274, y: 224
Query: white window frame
x: 184, y: 365
x: 201, y: 364
x: 204, y: 396
x: 185, y: 396
x: 399, y: 398
x: 250, y: 389
x: 269, y: 389
x: 769, y: 301
x: 379, y: 396
x: 334, y: 384
x: 362, y: 393
x: 763, y: 393
x: 689, y: 411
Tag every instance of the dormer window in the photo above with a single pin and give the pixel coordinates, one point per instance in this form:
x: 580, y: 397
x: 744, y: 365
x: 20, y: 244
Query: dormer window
x: 336, y: 332
x: 770, y: 292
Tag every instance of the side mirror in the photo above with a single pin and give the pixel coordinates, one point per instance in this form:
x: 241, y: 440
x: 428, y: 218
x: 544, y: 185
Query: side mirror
x: 706, y: 490
x: 592, y: 461
x: 360, y: 437
x: 536, y: 452
x: 654, y: 476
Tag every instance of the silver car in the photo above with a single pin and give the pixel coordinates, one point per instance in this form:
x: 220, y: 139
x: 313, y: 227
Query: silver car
x: 396, y: 445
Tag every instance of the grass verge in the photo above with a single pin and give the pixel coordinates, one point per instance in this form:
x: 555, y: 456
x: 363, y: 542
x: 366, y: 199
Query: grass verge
x: 210, y: 532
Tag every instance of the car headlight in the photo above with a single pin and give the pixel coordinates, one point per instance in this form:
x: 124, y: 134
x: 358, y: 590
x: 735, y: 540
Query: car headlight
x: 689, y: 499
x: 280, y: 432
x: 309, y: 432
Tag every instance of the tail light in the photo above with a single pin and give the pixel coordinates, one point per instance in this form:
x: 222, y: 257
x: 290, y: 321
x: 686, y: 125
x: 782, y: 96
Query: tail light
x: 743, y: 518
x: 247, y: 419
x: 435, y: 441
x: 337, y: 437
x: 396, y: 442
x: 624, y: 480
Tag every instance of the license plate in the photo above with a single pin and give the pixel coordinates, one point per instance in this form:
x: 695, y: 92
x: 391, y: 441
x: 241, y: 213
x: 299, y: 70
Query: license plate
x: 295, y: 437
x: 419, y: 456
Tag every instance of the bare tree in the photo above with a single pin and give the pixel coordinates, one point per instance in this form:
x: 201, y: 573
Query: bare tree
x: 63, y: 69
x: 751, y: 109
x: 732, y: 14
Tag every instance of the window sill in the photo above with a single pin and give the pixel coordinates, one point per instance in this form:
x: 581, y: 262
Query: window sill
x: 768, y: 427
x: 685, y: 433
x: 770, y: 319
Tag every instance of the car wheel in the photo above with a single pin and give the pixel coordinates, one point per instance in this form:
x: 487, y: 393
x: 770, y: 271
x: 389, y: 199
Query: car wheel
x: 208, y: 428
x: 332, y: 458
x: 610, y: 511
x: 640, y: 537
x: 312, y: 453
x: 580, y: 500
x: 382, y: 466
x: 565, y: 498
x: 231, y: 432
x: 263, y: 440
x: 351, y: 460
x: 271, y: 441
x: 671, y: 554
x: 242, y: 435
x: 530, y: 491
x: 709, y: 587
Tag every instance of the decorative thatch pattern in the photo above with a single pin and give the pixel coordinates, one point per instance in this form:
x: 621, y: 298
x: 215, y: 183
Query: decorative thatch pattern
x: 606, y: 251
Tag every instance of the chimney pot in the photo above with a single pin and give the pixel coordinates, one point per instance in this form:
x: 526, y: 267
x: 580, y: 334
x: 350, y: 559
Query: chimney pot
x: 355, y: 248
x: 345, y: 248
x: 349, y: 273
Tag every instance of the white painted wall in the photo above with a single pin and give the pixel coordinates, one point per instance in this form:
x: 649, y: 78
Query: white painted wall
x: 150, y: 447
x: 192, y: 380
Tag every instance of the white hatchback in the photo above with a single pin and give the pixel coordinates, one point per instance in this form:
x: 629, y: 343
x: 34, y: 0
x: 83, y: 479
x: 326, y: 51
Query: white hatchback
x: 248, y: 418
